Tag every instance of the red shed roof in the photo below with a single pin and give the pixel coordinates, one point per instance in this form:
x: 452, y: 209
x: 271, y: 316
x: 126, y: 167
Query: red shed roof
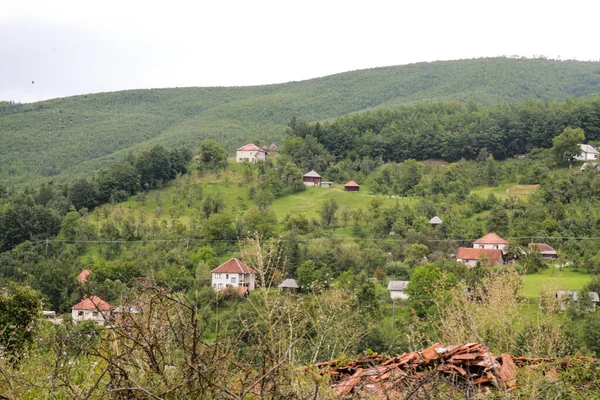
x: 351, y: 184
x: 494, y: 256
x: 82, y: 277
x: 92, y: 303
x: 250, y: 147
x: 233, y: 266
x: 542, y: 248
x: 491, y: 238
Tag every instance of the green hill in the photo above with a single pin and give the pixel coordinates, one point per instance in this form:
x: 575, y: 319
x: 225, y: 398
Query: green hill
x: 66, y: 137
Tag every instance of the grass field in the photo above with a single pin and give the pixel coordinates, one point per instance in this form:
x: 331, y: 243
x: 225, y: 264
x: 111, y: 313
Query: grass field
x: 555, y: 279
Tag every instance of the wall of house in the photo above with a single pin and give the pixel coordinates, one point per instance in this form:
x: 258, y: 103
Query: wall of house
x: 586, y: 156
x: 490, y: 246
x: 398, y: 294
x: 252, y: 156
x: 470, y: 263
x: 310, y: 181
x: 223, y: 280
x: 94, y: 315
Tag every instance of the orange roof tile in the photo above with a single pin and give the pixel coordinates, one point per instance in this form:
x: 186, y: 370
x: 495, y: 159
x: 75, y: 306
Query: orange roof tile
x: 92, y: 303
x: 351, y: 184
x: 82, y: 277
x: 233, y: 266
x: 491, y: 238
x: 250, y: 147
x: 494, y: 256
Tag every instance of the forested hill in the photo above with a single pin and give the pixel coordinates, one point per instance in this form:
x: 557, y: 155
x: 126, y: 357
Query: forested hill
x: 65, y: 137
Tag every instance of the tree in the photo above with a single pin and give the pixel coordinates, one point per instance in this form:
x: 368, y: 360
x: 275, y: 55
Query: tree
x: 292, y: 177
x: 154, y: 167
x: 328, y: 211
x: 426, y: 282
x: 19, y: 310
x: 212, y: 155
x: 307, y: 274
x: 219, y: 227
x: 83, y: 195
x: 566, y: 145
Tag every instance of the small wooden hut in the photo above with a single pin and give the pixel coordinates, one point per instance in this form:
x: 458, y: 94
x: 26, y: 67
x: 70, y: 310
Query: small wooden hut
x: 351, y: 187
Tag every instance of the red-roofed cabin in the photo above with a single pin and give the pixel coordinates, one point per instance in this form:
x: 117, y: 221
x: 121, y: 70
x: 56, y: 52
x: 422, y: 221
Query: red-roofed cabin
x: 82, y: 277
x: 547, y: 252
x: 469, y: 256
x: 92, y: 308
x: 233, y: 273
x: 351, y: 187
x: 251, y: 153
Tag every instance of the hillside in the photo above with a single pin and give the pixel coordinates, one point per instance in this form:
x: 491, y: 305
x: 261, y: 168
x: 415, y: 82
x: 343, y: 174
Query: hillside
x: 66, y: 137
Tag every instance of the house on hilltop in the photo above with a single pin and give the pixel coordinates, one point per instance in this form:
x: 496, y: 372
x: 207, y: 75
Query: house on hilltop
x: 311, y: 179
x: 251, y: 153
x: 587, y: 153
x: 92, y: 308
x: 233, y: 273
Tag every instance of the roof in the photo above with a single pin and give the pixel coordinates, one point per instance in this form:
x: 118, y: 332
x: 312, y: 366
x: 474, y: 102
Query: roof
x: 289, y: 284
x: 311, y: 174
x: 272, y: 148
x: 250, y: 147
x: 542, y: 248
x: 570, y: 294
x: 586, y: 148
x: 82, y: 277
x: 397, y: 285
x: 351, y: 184
x: 233, y: 266
x: 435, y: 220
x: 494, y: 256
x: 491, y: 238
x: 92, y: 303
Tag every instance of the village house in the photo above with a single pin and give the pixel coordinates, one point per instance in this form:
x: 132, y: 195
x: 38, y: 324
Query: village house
x: 435, y: 221
x: 251, y: 153
x: 547, y: 252
x: 311, y: 179
x: 351, y: 187
x: 587, y: 153
x: 396, y: 289
x: 289, y: 285
x: 470, y: 256
x: 235, y: 274
x: 491, y: 241
x: 567, y: 296
x: 92, y: 308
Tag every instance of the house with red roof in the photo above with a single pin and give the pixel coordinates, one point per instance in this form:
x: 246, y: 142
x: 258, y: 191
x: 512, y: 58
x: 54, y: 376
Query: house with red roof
x: 491, y: 241
x: 91, y: 308
x: 82, y: 277
x: 351, y: 187
x: 547, y: 252
x: 470, y: 257
x: 233, y: 273
x: 251, y: 153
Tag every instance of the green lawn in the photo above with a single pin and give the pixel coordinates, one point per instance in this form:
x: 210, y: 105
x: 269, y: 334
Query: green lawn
x: 553, y: 278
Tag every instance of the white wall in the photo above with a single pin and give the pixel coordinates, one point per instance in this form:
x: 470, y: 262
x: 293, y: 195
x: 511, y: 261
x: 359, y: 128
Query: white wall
x: 222, y: 280
x: 252, y: 156
x: 490, y: 246
x: 398, y: 294
x: 470, y: 263
x: 87, y: 314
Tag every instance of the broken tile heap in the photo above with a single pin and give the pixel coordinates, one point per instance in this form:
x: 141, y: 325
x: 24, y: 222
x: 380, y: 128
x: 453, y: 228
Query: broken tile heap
x: 384, y: 377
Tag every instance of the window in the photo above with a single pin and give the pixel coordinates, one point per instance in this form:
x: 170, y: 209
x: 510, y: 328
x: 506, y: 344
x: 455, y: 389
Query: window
x: 496, y: 247
x: 233, y: 279
x: 94, y: 313
x: 217, y: 276
x: 481, y: 246
x: 220, y: 286
x: 214, y: 285
x: 80, y: 313
x: 226, y: 276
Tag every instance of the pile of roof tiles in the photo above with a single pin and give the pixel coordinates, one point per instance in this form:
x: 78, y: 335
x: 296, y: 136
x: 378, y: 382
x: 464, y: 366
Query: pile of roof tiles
x: 379, y: 376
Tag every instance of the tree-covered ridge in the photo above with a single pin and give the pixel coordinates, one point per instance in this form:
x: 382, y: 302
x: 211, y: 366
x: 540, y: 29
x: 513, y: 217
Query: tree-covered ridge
x: 450, y: 130
x: 74, y: 136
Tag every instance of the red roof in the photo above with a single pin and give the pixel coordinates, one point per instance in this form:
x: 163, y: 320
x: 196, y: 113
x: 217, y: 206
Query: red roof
x: 82, y: 277
x: 92, y: 303
x: 494, y: 256
x: 250, y: 147
x: 491, y: 238
x: 233, y: 266
x: 351, y: 184
x: 542, y: 247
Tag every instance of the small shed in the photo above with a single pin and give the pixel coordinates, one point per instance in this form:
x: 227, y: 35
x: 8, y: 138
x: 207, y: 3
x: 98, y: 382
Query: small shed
x: 547, y: 252
x: 566, y: 296
x: 435, y: 221
x: 289, y: 285
x: 327, y: 185
x: 351, y: 187
x: 272, y: 148
x: 311, y: 179
x: 396, y: 289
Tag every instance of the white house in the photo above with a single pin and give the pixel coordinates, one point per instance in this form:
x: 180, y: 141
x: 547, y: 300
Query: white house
x: 251, y: 153
x: 396, y: 289
x: 92, y: 308
x: 587, y: 153
x: 491, y: 241
x: 233, y: 273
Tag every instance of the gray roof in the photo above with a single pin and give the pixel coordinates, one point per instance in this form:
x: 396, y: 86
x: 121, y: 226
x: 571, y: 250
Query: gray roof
x: 435, y: 220
x: 397, y: 285
x: 289, y: 284
x: 586, y: 148
x: 570, y: 294
x: 312, y: 174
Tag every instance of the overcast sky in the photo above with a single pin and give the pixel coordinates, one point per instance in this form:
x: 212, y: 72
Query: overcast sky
x: 74, y: 47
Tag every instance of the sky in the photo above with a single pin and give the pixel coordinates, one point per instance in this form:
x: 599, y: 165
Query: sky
x: 60, y: 48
